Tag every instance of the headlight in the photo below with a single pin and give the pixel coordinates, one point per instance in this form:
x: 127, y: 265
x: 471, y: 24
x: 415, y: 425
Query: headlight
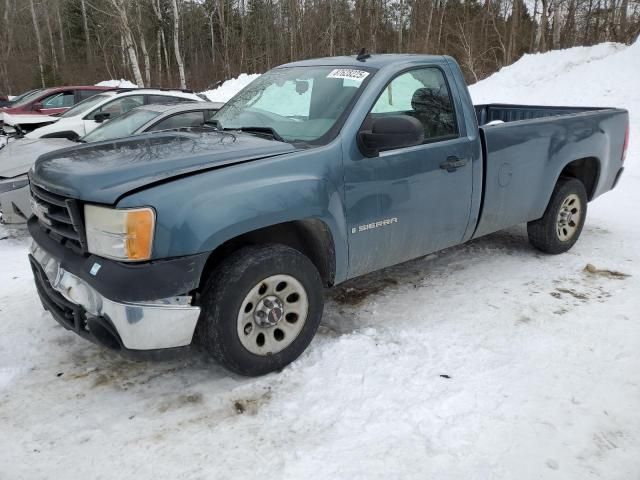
x: 120, y: 234
x: 9, y: 184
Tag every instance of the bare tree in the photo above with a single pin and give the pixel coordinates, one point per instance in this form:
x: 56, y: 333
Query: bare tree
x: 176, y: 44
x: 54, y: 56
x: 540, y: 42
x: 143, y: 47
x: 36, y: 29
x: 60, y: 32
x: 122, y: 15
x: 85, y: 27
x: 217, y: 39
x: 557, y: 21
x: 161, y: 39
x: 513, y: 31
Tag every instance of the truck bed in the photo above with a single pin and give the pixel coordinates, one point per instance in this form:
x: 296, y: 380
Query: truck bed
x: 523, y: 157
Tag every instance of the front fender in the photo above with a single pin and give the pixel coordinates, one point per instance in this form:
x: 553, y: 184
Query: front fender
x: 200, y: 212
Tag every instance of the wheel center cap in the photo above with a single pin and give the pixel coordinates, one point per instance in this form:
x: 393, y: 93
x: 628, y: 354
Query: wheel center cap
x: 269, y: 311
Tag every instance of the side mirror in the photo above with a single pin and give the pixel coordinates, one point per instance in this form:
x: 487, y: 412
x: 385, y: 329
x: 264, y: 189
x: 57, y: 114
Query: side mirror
x: 390, y: 132
x: 37, y: 106
x: 101, y: 117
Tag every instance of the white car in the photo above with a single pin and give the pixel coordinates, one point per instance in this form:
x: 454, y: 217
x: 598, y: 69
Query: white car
x: 90, y: 113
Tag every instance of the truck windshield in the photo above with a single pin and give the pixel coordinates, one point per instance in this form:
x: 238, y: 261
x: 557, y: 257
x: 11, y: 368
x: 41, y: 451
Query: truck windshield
x: 300, y: 104
x: 84, y: 105
x: 123, y: 126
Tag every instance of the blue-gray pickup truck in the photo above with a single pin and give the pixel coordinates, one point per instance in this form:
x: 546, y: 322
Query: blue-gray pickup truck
x: 317, y: 172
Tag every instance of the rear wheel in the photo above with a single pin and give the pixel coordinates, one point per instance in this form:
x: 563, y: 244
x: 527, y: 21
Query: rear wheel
x: 560, y: 226
x: 260, y: 309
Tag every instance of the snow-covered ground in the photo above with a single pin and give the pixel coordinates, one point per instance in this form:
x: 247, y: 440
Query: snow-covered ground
x: 485, y: 361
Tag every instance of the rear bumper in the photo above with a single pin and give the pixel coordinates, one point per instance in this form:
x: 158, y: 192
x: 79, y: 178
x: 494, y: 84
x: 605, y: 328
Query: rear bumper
x: 132, y: 327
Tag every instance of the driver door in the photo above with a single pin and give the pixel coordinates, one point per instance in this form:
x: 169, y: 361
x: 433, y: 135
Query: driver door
x: 405, y: 203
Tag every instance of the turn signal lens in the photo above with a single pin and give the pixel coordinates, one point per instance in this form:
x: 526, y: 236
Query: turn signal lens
x: 139, y: 234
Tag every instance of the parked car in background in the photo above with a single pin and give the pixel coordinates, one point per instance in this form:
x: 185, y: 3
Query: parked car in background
x: 89, y: 114
x: 320, y: 171
x: 20, y: 154
x: 37, y: 108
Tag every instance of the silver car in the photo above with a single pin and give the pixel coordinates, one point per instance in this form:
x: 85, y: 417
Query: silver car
x: 19, y: 154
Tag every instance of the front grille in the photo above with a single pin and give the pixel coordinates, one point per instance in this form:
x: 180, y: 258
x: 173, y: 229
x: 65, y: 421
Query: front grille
x: 60, y: 217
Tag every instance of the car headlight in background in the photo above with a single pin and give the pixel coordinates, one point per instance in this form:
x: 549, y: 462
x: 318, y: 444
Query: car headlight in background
x: 9, y: 184
x: 120, y: 234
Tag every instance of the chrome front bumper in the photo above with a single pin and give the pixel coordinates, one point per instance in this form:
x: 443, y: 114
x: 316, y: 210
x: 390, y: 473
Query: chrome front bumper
x: 157, y: 324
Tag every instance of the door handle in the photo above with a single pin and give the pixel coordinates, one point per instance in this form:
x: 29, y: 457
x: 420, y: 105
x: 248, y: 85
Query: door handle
x: 453, y: 163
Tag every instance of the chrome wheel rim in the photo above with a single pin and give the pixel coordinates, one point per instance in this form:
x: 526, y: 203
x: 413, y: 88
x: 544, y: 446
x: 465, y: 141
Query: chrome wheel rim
x: 272, y: 315
x: 568, y: 217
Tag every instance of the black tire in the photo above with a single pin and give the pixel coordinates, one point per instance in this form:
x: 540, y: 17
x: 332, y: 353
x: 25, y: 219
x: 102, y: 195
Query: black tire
x: 545, y: 233
x: 223, y: 295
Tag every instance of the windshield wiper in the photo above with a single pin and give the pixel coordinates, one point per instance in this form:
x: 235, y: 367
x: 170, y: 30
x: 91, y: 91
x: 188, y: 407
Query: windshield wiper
x: 260, y: 130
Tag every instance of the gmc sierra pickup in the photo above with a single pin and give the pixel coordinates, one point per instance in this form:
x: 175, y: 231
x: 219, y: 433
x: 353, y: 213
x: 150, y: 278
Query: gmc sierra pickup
x: 317, y: 172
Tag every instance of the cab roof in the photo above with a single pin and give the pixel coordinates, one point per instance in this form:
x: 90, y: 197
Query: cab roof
x: 376, y: 61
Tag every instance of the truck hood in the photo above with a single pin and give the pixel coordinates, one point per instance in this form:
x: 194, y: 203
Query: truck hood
x: 19, y: 155
x: 103, y: 172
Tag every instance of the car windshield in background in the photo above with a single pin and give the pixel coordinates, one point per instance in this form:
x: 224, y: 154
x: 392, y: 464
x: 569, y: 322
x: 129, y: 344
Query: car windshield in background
x: 29, y: 97
x: 19, y: 98
x: 84, y: 106
x: 123, y: 126
x: 304, y: 104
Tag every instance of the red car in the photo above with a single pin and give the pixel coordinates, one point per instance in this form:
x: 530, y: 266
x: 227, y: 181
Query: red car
x: 36, y: 108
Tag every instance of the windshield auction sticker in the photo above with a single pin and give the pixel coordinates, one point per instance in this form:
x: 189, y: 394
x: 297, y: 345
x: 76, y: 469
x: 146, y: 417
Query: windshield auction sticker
x: 348, y: 74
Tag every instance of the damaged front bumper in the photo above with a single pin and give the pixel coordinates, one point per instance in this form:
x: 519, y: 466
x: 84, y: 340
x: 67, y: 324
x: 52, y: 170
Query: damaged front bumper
x: 132, y: 327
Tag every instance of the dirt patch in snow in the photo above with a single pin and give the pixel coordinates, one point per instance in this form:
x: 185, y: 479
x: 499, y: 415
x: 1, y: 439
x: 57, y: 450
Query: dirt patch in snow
x: 602, y: 272
x: 251, y: 405
x: 355, y: 295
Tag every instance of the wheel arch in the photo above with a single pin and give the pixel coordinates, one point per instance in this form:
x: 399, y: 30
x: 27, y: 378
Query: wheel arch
x: 587, y: 170
x: 310, y: 236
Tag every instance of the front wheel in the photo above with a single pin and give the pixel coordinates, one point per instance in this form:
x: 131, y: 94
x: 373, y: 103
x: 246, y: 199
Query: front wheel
x: 260, y: 309
x: 560, y: 227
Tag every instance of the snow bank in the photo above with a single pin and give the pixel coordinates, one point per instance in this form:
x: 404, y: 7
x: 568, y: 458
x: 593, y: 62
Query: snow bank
x: 602, y: 75
x: 122, y: 83
x: 229, y: 88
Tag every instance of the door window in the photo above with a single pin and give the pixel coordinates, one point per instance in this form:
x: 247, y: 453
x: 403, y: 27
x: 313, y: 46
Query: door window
x: 84, y: 94
x: 119, y: 106
x: 59, y: 100
x: 181, y: 120
x: 423, y: 94
x: 167, y: 99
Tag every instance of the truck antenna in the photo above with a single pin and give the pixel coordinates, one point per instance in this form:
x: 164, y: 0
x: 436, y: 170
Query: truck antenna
x: 363, y: 55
